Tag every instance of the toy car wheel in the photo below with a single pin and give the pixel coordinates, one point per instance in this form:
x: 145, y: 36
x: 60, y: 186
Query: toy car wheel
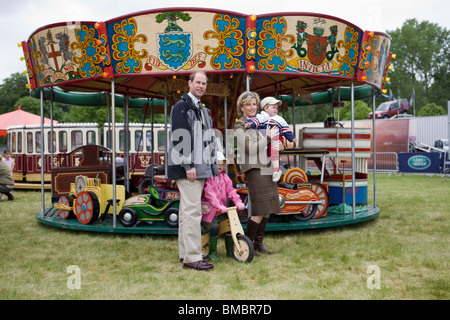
x: 306, y: 214
x: 87, y: 207
x: 143, y: 184
x: 171, y: 217
x: 322, y: 194
x: 67, y: 201
x: 154, y: 193
x: 128, y: 217
x: 247, y: 250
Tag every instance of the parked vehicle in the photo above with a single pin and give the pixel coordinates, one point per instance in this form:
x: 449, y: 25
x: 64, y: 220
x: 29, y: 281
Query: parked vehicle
x: 442, y: 144
x: 389, y: 109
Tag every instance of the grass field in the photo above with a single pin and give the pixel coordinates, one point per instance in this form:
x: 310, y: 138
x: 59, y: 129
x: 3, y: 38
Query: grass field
x: 403, y: 254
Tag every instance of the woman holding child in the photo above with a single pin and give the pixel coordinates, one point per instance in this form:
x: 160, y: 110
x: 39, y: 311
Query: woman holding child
x: 254, y: 162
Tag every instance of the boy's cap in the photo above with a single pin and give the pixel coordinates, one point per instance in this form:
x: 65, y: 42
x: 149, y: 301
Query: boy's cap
x: 270, y: 100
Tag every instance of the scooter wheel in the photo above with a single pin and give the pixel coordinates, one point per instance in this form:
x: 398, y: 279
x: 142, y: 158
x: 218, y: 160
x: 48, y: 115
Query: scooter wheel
x: 247, y: 252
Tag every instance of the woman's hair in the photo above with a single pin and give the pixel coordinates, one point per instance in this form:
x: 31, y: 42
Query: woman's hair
x: 245, y: 98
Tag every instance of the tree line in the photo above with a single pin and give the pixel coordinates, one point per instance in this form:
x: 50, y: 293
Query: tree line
x: 421, y: 66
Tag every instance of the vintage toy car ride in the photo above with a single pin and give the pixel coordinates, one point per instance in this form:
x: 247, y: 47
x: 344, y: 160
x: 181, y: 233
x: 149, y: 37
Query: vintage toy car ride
x: 88, y: 197
x: 149, y: 207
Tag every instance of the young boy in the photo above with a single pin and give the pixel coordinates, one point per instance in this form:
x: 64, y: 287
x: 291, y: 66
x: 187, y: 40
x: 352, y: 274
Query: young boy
x: 269, y: 118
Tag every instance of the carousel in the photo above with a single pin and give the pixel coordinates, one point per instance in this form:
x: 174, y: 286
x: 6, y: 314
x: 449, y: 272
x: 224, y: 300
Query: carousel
x: 148, y: 56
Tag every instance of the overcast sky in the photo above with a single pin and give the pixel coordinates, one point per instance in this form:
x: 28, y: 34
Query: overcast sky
x: 20, y: 18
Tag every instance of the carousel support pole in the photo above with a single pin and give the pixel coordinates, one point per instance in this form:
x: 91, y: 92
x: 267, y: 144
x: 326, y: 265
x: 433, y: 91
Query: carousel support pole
x: 126, y: 120
x: 42, y: 153
x: 293, y: 127
x: 109, y: 142
x: 225, y: 125
x: 249, y: 209
x: 113, y: 144
x: 353, y: 150
x: 152, y: 140
x: 53, y: 146
x: 165, y: 136
x: 374, y: 140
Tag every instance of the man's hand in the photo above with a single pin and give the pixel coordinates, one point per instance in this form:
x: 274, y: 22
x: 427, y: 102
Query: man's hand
x: 191, y: 174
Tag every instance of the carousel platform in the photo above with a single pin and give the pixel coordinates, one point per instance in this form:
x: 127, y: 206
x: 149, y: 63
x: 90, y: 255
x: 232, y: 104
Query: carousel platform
x: 278, y: 223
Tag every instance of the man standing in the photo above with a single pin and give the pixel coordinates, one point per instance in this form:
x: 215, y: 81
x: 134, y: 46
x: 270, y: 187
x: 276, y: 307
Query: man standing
x: 191, y: 161
x: 6, y: 181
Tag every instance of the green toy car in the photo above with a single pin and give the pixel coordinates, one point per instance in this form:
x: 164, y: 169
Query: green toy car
x: 149, y: 207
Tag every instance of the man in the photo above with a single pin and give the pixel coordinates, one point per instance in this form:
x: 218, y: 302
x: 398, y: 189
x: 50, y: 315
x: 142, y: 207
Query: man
x: 6, y: 181
x: 191, y: 161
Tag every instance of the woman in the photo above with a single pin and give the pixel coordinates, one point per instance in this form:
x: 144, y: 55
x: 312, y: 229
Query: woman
x: 253, y: 161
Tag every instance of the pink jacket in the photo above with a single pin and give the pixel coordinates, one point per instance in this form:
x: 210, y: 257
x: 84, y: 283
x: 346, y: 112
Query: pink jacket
x: 215, y: 194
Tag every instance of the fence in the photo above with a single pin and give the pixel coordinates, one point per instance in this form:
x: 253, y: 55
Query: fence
x: 386, y: 162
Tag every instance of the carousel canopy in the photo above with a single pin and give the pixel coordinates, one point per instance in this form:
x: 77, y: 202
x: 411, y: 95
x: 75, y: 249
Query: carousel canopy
x: 151, y: 54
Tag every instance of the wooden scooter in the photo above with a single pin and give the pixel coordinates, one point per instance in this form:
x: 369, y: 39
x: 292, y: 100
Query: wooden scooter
x: 243, y: 250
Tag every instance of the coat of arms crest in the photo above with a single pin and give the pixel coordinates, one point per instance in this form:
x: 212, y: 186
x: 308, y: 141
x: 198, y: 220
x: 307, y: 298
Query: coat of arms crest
x: 317, y: 44
x: 174, y: 45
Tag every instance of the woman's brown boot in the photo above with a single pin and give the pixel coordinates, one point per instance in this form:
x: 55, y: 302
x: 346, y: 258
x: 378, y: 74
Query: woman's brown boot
x: 258, y: 242
x: 252, y: 229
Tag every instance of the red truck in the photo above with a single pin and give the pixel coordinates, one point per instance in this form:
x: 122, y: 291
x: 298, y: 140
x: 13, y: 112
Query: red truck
x: 391, y: 108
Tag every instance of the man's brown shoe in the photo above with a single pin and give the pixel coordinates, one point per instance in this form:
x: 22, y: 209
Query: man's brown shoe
x: 198, y: 265
x: 204, y: 258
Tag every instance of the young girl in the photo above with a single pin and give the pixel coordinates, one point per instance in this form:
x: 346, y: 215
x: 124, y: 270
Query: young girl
x: 216, y: 192
x: 269, y: 118
x: 9, y: 160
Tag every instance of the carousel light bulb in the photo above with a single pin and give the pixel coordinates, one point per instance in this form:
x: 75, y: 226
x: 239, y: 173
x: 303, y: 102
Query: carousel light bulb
x: 364, y: 78
x: 22, y: 58
x: 105, y: 74
x: 252, y: 68
x: 384, y: 91
x: 19, y: 45
x: 391, y: 67
x: 97, y: 25
x: 99, y: 42
x: 394, y: 56
x: 252, y: 51
x: 371, y: 34
x: 28, y: 86
x: 102, y: 58
x: 253, y: 34
x: 368, y: 48
x: 366, y: 63
x: 174, y: 77
x: 25, y: 72
x: 253, y: 18
x: 388, y: 79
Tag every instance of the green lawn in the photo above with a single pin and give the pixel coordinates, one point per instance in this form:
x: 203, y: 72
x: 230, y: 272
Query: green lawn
x: 403, y: 254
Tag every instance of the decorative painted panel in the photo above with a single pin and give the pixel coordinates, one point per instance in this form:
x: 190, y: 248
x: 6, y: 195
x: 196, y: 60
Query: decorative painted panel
x: 307, y: 45
x: 170, y: 42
